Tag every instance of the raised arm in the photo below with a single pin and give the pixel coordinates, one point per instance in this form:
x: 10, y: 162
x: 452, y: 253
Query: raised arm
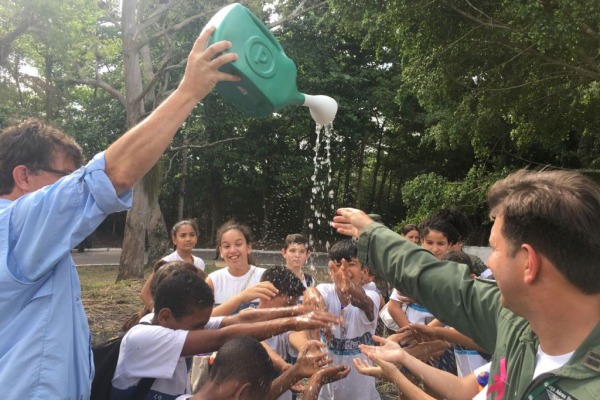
x: 134, y: 153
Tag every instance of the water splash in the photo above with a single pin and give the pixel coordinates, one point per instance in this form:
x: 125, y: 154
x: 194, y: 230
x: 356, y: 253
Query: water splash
x: 321, y: 198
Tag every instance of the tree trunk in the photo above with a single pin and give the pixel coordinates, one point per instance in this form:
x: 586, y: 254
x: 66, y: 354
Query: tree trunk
x: 132, y: 255
x: 373, y: 190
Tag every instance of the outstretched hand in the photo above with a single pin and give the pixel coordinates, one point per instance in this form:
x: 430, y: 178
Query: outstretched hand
x: 351, y: 221
x: 311, y: 359
x: 262, y: 290
x: 380, y: 368
x: 315, y: 320
x: 202, y: 70
x: 387, y: 351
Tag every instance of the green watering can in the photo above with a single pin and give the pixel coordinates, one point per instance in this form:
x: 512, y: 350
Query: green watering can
x: 268, y: 75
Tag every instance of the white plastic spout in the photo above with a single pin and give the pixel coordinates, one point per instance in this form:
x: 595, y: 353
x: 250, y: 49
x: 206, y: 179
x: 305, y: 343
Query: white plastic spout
x: 322, y: 108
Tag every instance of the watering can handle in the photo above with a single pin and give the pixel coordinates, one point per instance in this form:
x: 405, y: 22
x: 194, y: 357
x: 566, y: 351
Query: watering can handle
x: 265, y: 31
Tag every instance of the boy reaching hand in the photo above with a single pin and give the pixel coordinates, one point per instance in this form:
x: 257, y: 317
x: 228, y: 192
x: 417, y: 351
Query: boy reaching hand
x: 183, y: 303
x: 358, y: 308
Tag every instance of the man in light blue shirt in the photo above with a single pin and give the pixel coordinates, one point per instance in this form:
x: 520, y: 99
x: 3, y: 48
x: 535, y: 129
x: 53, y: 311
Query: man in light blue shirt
x: 48, y: 204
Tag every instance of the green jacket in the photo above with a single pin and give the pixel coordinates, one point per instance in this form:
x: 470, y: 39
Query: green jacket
x: 473, y: 307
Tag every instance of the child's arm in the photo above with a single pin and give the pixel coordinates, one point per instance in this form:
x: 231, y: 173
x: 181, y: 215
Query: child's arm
x: 314, y: 299
x: 278, y: 363
x: 323, y: 376
x: 431, y: 333
x: 445, y: 384
x: 387, y: 370
x: 204, y: 341
x: 262, y: 290
x: 264, y: 314
x: 309, y: 361
x: 395, y: 310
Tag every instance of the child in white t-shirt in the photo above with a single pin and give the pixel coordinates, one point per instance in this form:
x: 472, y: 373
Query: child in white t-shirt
x: 358, y: 307
x: 238, y: 285
x: 183, y: 304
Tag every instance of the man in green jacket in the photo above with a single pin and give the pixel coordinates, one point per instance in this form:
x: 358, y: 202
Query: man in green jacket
x: 541, y: 319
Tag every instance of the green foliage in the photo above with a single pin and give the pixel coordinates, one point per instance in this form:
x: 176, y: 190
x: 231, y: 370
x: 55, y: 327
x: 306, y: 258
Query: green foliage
x: 427, y: 193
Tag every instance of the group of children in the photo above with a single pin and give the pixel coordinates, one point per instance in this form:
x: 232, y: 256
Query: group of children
x: 323, y: 332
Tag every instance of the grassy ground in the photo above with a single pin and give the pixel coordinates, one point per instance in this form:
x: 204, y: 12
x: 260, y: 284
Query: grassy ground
x: 108, y: 305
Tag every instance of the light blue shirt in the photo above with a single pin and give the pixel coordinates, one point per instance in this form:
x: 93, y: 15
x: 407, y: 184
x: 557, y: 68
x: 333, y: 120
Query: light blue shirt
x: 45, y: 350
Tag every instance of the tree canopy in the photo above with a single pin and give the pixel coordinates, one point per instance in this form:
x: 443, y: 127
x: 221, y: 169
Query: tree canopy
x: 436, y: 101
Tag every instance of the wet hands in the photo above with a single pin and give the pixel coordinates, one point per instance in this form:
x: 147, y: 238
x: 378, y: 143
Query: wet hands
x: 311, y: 358
x: 202, y: 68
x: 313, y: 299
x: 315, y: 320
x: 262, y: 290
x: 380, y: 368
x: 419, y: 333
x: 388, y: 350
x: 351, y: 221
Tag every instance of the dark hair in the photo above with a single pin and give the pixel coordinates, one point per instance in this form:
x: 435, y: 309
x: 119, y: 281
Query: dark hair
x: 163, y: 269
x: 33, y: 144
x: 244, y: 359
x: 183, y: 292
x: 297, y: 238
x: 435, y: 223
x: 457, y: 219
x: 409, y: 228
x: 181, y: 223
x: 556, y: 213
x: 344, y: 249
x: 284, y: 280
x: 234, y: 225
x: 459, y: 256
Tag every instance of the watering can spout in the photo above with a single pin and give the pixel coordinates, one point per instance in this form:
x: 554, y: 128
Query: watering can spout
x: 322, y: 108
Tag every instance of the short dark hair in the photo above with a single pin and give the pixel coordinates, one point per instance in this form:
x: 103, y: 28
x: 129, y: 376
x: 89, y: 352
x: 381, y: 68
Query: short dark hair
x: 163, y: 268
x: 458, y: 219
x: 244, y: 359
x: 284, y: 280
x: 343, y: 250
x: 556, y: 213
x: 33, y: 144
x: 183, y: 292
x: 297, y: 238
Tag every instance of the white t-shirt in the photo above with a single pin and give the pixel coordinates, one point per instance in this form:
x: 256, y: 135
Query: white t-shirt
x: 545, y: 363
x: 151, y: 351
x: 356, y: 329
x: 174, y: 256
x: 226, y: 285
x: 415, y: 313
x: 280, y: 345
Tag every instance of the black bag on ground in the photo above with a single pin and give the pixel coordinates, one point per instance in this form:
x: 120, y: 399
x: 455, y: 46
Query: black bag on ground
x: 106, y: 356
